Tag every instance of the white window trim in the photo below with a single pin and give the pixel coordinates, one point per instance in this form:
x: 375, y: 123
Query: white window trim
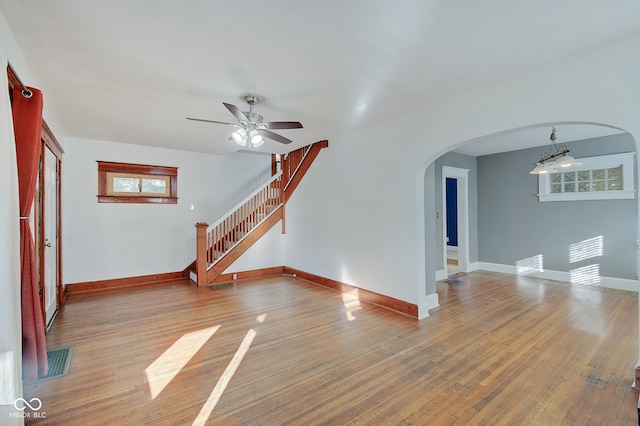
x: 590, y: 163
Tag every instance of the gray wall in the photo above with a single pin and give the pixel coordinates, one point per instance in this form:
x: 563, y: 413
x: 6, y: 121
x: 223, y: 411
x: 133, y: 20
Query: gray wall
x: 454, y: 159
x: 513, y: 225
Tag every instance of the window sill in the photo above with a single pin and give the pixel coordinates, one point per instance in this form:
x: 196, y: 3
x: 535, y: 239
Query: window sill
x: 588, y: 196
x: 137, y: 200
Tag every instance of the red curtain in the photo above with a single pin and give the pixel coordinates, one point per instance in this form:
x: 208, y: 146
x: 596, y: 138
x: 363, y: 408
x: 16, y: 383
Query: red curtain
x: 27, y: 123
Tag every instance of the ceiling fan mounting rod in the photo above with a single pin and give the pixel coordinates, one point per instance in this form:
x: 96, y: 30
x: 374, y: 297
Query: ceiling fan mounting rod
x: 252, y: 99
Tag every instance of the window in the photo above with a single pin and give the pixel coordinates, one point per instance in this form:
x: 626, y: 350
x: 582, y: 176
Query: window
x: 598, y: 178
x: 137, y: 183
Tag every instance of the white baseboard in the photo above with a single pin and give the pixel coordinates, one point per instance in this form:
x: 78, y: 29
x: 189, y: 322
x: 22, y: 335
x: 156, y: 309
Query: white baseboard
x: 431, y: 302
x: 473, y: 266
x: 608, y: 282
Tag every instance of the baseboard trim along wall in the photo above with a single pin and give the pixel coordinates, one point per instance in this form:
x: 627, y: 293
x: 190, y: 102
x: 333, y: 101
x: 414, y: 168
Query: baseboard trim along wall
x: 103, y: 285
x: 431, y: 302
x: 387, y: 302
x: 596, y: 281
x: 246, y: 275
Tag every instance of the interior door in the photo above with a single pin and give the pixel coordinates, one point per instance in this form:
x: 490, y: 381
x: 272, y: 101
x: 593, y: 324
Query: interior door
x: 50, y: 234
x: 452, y: 211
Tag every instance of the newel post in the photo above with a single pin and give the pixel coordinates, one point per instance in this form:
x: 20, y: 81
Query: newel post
x: 201, y: 253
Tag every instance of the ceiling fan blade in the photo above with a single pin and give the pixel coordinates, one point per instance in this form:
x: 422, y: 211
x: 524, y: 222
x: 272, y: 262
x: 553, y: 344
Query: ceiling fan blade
x: 236, y: 112
x: 276, y: 137
x: 213, y: 121
x: 283, y: 125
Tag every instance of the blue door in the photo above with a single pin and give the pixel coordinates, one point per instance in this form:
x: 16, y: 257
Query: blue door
x: 452, y: 211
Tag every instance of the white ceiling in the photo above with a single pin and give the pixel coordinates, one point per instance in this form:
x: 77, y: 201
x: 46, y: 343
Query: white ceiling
x: 132, y: 71
x: 532, y: 137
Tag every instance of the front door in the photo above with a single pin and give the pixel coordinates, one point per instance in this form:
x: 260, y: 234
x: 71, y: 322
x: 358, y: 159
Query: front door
x: 50, y: 234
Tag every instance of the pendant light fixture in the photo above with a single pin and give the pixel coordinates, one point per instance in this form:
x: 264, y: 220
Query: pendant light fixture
x: 559, y: 153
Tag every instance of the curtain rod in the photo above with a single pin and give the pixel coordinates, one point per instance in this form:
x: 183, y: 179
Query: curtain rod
x: 25, y: 90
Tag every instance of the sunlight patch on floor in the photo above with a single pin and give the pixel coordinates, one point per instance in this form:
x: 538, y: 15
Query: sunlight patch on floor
x: 224, y: 380
x: 168, y: 365
x: 351, y: 302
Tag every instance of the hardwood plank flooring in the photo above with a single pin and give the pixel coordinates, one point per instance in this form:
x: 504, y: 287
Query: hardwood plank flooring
x: 500, y: 350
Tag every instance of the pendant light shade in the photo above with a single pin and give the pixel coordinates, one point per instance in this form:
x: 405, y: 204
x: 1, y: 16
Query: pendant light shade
x: 541, y: 169
x: 561, y: 155
x: 567, y: 161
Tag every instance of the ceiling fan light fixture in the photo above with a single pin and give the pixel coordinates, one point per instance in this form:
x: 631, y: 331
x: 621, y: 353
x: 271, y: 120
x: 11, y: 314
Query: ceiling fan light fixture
x: 240, y: 137
x: 256, y: 138
x: 251, y: 127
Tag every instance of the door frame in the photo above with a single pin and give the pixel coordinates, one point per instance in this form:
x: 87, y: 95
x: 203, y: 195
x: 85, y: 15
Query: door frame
x: 49, y: 142
x: 462, y: 179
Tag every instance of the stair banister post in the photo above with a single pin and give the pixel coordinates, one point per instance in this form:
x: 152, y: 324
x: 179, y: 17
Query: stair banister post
x: 201, y: 253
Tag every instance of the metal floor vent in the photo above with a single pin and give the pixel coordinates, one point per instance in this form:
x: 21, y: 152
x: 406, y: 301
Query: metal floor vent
x: 58, y: 363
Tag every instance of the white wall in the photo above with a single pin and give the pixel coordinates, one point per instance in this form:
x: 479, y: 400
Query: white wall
x: 105, y: 241
x: 10, y: 319
x: 264, y: 253
x: 358, y: 216
x: 348, y: 218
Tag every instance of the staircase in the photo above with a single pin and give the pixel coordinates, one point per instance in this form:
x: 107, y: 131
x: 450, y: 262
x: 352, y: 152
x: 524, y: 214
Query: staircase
x: 223, y: 242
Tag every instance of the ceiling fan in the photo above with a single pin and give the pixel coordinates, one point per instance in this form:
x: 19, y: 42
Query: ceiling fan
x: 250, y: 126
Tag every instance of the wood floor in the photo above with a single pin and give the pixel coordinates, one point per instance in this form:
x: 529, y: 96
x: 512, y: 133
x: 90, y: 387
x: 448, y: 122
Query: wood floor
x: 499, y: 350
